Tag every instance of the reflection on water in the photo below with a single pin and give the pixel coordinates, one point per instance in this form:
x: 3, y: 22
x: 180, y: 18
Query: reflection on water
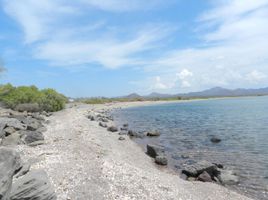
x: 186, y: 129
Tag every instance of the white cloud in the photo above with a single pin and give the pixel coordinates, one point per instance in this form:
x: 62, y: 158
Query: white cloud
x: 158, y: 85
x: 255, y: 76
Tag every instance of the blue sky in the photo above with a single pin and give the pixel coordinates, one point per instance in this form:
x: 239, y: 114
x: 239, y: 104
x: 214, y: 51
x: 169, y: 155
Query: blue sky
x: 116, y: 47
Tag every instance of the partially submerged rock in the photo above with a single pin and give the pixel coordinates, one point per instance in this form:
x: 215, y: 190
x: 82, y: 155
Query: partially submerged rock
x: 34, y: 185
x: 161, y: 160
x: 215, y: 140
x: 198, y: 168
x: 153, y: 133
x: 204, y: 177
x: 155, y: 150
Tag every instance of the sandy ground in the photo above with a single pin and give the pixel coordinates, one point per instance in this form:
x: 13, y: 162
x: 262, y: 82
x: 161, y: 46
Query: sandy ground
x: 86, y: 162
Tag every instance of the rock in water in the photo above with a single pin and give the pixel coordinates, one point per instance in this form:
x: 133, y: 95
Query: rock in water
x: 155, y: 150
x: 153, y: 133
x: 161, y: 160
x: 112, y: 129
x: 204, y: 177
x: 215, y: 140
x: 227, y: 177
x: 10, y: 163
x: 33, y: 186
x: 198, y: 168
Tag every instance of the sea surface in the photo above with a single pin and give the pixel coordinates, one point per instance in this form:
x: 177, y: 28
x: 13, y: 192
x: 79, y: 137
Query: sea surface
x: 187, y: 127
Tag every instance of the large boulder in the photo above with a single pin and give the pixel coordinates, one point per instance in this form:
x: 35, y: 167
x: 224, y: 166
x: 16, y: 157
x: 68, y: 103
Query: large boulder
x: 32, y: 136
x: 11, y: 122
x: 198, y: 168
x: 35, y: 185
x: 10, y: 163
x: 155, y: 150
x: 13, y: 139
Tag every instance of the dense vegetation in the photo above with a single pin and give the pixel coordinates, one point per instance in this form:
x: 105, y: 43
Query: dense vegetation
x: 30, y: 98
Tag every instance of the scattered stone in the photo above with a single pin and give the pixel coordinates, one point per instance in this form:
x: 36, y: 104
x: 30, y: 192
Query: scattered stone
x: 155, y: 150
x: 121, y: 138
x: 153, y: 133
x: 204, y: 177
x: 102, y: 119
x: 161, y: 160
x: 104, y: 125
x: 112, y: 129
x: 196, y: 169
x: 124, y: 128
x: 33, y: 185
x: 122, y: 133
x: 215, y: 140
x: 125, y: 125
x: 91, y: 117
x: 10, y: 163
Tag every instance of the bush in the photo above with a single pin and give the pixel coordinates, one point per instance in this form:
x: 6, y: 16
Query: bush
x: 51, y: 100
x: 31, y: 99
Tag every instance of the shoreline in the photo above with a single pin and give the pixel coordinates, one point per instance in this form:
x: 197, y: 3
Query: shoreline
x: 85, y: 161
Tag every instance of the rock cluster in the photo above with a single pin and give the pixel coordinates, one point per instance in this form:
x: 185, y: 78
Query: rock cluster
x: 210, y: 172
x: 17, y: 181
x: 158, y: 153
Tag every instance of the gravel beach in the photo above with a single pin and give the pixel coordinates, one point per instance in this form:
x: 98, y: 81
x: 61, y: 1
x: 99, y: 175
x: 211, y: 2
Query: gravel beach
x: 84, y: 161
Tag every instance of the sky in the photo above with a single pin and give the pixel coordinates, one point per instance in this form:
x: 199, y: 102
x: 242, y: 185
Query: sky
x: 87, y: 48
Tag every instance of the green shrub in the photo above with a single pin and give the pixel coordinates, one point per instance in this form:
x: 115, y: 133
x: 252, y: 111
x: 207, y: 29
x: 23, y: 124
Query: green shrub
x: 30, y: 98
x: 51, y: 100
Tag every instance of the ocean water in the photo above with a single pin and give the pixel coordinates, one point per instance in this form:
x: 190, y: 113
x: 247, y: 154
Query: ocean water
x: 186, y: 129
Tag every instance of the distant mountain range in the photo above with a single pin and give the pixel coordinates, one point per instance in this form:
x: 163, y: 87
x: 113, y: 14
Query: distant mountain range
x: 213, y: 92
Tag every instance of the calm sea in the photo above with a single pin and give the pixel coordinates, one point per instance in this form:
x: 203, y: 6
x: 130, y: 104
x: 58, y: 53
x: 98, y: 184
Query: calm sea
x: 186, y: 129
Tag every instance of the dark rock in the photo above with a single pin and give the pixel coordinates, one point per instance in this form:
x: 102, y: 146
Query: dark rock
x: 204, y: 177
x: 196, y: 169
x: 136, y: 134
x: 227, y: 177
x: 215, y: 140
x: 10, y: 163
x: 161, y: 160
x: 91, y: 117
x: 32, y: 136
x: 121, y: 138
x: 35, y: 185
x: 220, y: 166
x: 153, y: 133
x: 104, y: 125
x: 112, y: 129
x: 125, y: 125
x: 102, y: 119
x: 124, y: 128
x: 155, y: 150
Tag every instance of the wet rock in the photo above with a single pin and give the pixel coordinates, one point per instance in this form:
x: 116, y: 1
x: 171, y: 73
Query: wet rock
x: 196, y: 169
x: 121, y: 138
x: 32, y: 136
x: 102, y: 124
x: 161, y: 160
x: 228, y: 177
x: 215, y: 140
x: 33, y: 185
x: 204, y: 177
x: 112, y: 129
x: 153, y: 133
x: 155, y: 150
x: 10, y: 163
